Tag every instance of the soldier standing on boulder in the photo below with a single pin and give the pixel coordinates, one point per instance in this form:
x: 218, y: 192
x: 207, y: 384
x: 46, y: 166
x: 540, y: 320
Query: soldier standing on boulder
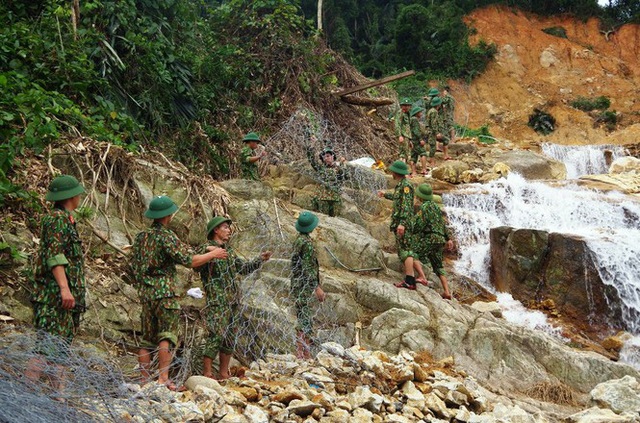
x: 418, y: 152
x: 249, y: 157
x: 219, y: 279
x: 435, y: 128
x: 448, y: 108
x: 401, y: 224
x: 328, y: 197
x: 403, y: 129
x: 58, y: 294
x: 153, y: 258
x: 305, y: 281
x: 430, y: 235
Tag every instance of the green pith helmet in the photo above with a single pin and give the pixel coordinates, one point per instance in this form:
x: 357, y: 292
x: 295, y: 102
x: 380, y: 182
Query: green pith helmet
x: 425, y: 192
x: 433, y: 92
x: 415, y: 110
x: 406, y: 102
x: 215, y: 222
x: 399, y: 167
x: 251, y: 136
x: 327, y: 150
x: 436, y: 101
x: 160, y: 207
x: 63, y: 187
x: 306, y: 222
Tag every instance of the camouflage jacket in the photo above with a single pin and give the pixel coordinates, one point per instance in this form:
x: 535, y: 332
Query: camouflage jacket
x: 403, y: 124
x: 249, y: 170
x: 153, y: 259
x: 305, y: 271
x: 402, y: 198
x: 428, y: 226
x: 60, y: 245
x: 448, y: 107
x: 434, y: 124
x: 331, y: 179
x: 417, y: 131
x: 219, y: 276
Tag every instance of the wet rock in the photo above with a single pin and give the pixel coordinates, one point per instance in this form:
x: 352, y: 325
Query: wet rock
x: 531, y: 165
x: 619, y: 395
x: 627, y: 164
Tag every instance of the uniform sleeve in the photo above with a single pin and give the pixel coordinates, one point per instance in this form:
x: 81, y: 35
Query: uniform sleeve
x: 245, y: 154
x: 388, y: 195
x: 397, y: 122
x: 310, y: 264
x: 179, y: 252
x: 53, y: 239
x: 312, y: 159
x: 416, y: 132
x: 406, y: 206
x: 247, y: 266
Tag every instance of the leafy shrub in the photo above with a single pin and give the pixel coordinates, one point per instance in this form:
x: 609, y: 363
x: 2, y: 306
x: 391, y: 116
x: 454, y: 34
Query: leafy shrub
x: 556, y: 31
x: 542, y: 122
x: 482, y: 133
x: 589, y: 104
x: 609, y: 118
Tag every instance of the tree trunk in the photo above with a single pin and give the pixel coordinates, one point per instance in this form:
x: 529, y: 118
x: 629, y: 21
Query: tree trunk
x: 319, y: 15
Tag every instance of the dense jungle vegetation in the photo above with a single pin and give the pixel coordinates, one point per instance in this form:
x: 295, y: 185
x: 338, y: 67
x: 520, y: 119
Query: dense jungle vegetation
x: 156, y: 73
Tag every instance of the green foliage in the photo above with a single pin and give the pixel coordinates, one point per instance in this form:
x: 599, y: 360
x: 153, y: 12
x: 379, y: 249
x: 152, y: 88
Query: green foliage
x: 542, y: 122
x: 10, y: 254
x: 482, y: 133
x: 589, y: 104
x: 556, y: 31
x: 609, y: 118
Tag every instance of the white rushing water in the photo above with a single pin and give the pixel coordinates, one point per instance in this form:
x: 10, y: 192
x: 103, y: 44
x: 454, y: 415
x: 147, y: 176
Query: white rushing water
x: 609, y: 223
x: 584, y: 159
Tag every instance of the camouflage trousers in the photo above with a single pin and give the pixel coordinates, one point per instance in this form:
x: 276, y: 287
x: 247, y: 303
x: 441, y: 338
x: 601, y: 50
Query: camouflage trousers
x: 160, y: 321
x: 56, y: 329
x: 221, y: 323
x: 330, y: 207
x: 304, y: 313
x: 434, y: 254
x: 404, y: 152
x: 404, y: 246
x: 418, y: 152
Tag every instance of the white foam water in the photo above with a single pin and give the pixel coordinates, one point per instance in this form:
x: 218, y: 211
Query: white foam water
x: 513, y: 311
x: 609, y: 223
x: 582, y: 159
x: 630, y: 352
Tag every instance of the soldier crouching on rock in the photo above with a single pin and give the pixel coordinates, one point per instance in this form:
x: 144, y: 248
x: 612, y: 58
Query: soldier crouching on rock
x: 219, y: 279
x: 153, y: 258
x: 305, y: 281
x: 59, y: 285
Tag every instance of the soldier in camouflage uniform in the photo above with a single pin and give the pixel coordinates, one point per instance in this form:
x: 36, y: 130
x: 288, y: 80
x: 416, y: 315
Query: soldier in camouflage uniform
x: 402, y: 122
x: 219, y: 279
x: 448, y: 108
x: 331, y: 175
x: 249, y: 157
x: 58, y: 294
x: 418, y: 152
x: 153, y: 258
x: 305, y: 281
x: 430, y: 235
x: 402, y: 198
x: 435, y: 128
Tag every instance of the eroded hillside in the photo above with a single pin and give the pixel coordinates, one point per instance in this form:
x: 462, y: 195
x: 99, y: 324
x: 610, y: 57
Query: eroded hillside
x: 533, y: 69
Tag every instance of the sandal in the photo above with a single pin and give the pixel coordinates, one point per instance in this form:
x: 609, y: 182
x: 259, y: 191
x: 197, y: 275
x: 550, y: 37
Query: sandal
x: 172, y: 386
x: 446, y: 296
x: 403, y: 284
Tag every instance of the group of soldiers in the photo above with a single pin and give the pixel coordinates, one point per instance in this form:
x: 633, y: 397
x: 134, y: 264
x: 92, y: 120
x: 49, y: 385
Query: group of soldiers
x: 414, y: 136
x: 60, y: 287
x: 59, y: 284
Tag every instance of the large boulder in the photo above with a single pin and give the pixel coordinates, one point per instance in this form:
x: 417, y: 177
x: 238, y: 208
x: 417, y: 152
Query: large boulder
x: 530, y: 165
x: 532, y: 264
x: 450, y: 171
x: 619, y: 395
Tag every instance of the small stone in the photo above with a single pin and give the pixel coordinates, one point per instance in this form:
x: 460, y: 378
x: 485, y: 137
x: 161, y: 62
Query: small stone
x: 463, y: 415
x: 335, y: 416
x: 344, y: 405
x: 362, y: 397
x: 250, y: 394
x: 194, y: 381
x: 492, y: 307
x: 420, y: 374
x: 397, y: 418
x: 255, y: 414
x: 333, y: 348
x: 360, y: 415
x: 286, y: 397
x: 302, y: 407
x: 318, y: 413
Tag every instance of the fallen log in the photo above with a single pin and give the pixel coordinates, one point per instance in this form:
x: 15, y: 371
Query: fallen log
x: 376, y: 83
x: 366, y: 101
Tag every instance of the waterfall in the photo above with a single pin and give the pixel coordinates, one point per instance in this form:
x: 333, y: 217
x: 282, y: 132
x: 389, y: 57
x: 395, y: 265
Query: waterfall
x: 608, y: 222
x: 583, y: 159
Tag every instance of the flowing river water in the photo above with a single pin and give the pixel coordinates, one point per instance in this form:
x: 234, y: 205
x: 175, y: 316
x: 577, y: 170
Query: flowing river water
x: 609, y: 222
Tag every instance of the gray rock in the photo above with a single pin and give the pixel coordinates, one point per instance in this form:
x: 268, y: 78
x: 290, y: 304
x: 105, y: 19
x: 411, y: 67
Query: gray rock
x: 532, y: 165
x: 255, y: 414
x: 386, y: 329
x: 248, y: 190
x: 599, y: 415
x: 484, y: 307
x: 302, y: 407
x: 619, y: 395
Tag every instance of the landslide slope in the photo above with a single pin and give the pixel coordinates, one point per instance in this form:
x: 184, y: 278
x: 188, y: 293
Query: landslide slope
x: 533, y: 69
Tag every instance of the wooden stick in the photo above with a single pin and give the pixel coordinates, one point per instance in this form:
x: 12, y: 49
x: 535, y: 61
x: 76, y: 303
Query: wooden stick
x: 377, y: 82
